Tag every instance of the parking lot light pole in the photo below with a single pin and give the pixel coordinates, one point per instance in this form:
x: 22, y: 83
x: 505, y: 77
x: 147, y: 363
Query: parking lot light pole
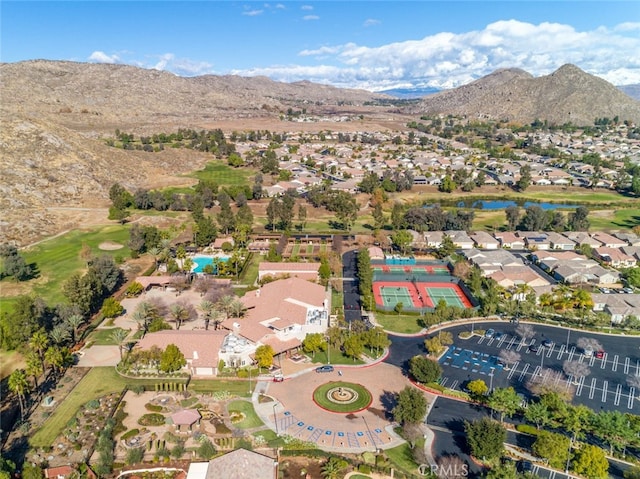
x: 491, y: 381
x: 275, y: 418
x: 568, y: 333
x: 541, y: 359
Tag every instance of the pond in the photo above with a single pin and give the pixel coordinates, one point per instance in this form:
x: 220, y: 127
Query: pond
x: 503, y: 204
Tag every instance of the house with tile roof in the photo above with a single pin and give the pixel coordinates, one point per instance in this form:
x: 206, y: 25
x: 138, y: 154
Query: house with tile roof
x: 307, y: 271
x: 238, y: 464
x: 282, y: 313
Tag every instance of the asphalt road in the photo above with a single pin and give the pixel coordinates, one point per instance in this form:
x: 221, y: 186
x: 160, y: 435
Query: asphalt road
x: 350, y: 287
x: 604, y: 388
x: 447, y: 419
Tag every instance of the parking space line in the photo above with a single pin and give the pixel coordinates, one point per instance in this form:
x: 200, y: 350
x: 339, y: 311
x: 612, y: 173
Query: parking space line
x: 605, y: 389
x: 627, y: 362
x: 453, y: 384
x: 510, y: 345
x: 580, y: 385
x: 571, y: 353
x: 443, y: 381
x: 520, y: 345
x: 570, y: 382
x: 616, y: 399
x: 481, y: 340
x: 592, y: 360
x: 632, y: 395
x: 490, y: 341
x: 536, y: 372
x: 614, y: 366
x: 523, y: 372
x: 592, y: 391
x: 551, y: 350
x: 502, y: 339
x: 513, y: 370
x: 604, y: 361
x: 638, y: 367
x: 561, y: 351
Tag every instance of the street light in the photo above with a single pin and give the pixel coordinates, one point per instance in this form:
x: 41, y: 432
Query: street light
x: 249, y: 378
x: 275, y: 418
x: 328, y: 350
x: 491, y: 380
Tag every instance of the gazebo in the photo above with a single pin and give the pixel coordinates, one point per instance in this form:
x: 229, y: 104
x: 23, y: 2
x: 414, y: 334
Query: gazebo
x: 185, y: 419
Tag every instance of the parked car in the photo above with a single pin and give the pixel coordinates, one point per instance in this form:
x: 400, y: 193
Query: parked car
x: 533, y: 348
x: 278, y: 378
x: 600, y: 354
x: 489, y: 333
x: 327, y: 368
x: 498, y: 335
x: 547, y: 343
x: 588, y: 352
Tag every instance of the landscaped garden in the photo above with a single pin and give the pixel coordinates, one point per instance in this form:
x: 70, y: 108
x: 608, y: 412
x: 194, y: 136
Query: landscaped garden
x: 342, y: 397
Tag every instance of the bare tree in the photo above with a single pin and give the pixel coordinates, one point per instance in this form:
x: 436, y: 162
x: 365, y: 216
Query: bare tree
x: 589, y: 343
x: 551, y: 381
x: 451, y: 467
x: 509, y: 357
x: 411, y: 432
x: 634, y: 382
x: 576, y: 369
x: 525, y: 331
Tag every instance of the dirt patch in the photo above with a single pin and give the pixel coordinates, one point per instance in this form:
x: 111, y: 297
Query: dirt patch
x: 297, y: 467
x: 110, y: 246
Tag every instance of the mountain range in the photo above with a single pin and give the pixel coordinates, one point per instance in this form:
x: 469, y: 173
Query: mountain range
x: 56, y: 116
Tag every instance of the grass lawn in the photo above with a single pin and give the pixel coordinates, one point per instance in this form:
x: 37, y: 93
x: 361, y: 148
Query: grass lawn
x: 102, y: 337
x: 223, y: 174
x: 337, y: 300
x: 97, y: 382
x: 335, y: 357
x: 59, y: 258
x: 9, y: 362
x: 616, y: 219
x: 249, y: 275
x: 363, y: 400
x: 398, y: 323
x: 250, y: 420
x: 235, y: 388
x: 402, y: 456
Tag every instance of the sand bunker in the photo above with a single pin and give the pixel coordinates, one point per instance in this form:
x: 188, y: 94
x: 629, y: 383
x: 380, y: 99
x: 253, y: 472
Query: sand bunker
x: 110, y: 246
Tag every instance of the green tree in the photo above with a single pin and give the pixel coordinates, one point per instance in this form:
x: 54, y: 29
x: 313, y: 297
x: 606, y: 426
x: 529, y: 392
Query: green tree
x: 206, y: 450
x: 19, y: 385
x: 205, y: 231
x: 378, y: 216
x: 553, y: 447
x: 119, y: 336
x: 111, y: 308
x: 264, y: 355
x: 135, y: 455
x: 353, y: 346
x: 613, y: 428
x: 539, y: 414
x: 425, y: 370
x: 302, y: 216
x: 172, y: 359
x: 334, y: 467
x: 525, y: 178
x: 447, y: 185
x: 632, y: 276
x: 577, y: 420
x: 502, y: 471
x: 485, y: 438
x: 31, y: 471
x: 34, y: 367
x: 411, y: 406
x: 477, y: 388
x: 590, y: 461
x: 314, y: 342
x: 402, y: 239
x: 447, y: 247
x: 324, y: 271
x: 505, y: 401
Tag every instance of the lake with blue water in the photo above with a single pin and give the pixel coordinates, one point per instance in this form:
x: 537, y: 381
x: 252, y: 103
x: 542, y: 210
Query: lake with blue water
x: 503, y: 204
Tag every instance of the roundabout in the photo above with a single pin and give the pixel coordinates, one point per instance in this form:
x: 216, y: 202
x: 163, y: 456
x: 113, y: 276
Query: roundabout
x: 342, y: 397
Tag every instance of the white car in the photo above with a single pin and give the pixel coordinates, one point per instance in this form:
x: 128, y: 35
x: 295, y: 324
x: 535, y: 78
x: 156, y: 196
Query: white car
x: 588, y: 352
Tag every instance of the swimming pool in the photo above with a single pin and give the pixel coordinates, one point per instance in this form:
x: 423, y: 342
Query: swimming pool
x: 200, y: 261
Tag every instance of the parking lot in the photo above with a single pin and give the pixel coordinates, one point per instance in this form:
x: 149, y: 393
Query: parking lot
x: 604, y: 388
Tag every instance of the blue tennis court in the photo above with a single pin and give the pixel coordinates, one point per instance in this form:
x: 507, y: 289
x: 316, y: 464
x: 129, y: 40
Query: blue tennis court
x: 469, y: 360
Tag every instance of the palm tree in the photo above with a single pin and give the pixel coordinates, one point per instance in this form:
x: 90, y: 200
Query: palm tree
x: 155, y: 252
x: 211, y: 313
x: 179, y: 313
x: 74, y: 322
x: 39, y: 343
x: 119, y: 336
x: 225, y: 304
x: 19, y: 385
x: 58, y: 357
x: 35, y: 367
x: 59, y: 334
x: 236, y: 308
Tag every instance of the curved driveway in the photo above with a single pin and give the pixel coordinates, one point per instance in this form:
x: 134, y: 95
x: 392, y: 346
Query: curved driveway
x: 295, y: 413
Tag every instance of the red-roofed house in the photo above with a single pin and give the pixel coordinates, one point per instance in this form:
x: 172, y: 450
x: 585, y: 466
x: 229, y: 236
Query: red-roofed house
x: 281, y: 313
x: 200, y: 347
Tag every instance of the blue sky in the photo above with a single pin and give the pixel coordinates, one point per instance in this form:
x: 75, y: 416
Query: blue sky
x: 374, y: 45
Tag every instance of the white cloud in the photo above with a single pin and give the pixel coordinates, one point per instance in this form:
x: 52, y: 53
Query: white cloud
x: 371, y: 22
x: 306, y: 7
x: 252, y: 13
x: 311, y: 17
x: 101, y: 57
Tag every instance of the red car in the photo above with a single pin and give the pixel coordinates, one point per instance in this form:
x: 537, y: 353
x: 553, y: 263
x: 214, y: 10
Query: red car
x: 278, y: 379
x: 599, y: 354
